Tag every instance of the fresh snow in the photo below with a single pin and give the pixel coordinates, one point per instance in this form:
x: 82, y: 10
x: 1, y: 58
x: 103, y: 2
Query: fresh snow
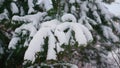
x: 28, y: 27
x: 68, y: 17
x: 71, y: 1
x: 30, y: 5
x: 22, y: 12
x: 35, y: 18
x: 47, y: 4
x: 4, y: 15
x: 51, y: 54
x: 97, y: 17
x: 36, y: 44
x: 79, y: 35
x: 14, y: 8
x: 38, y: 41
x: 104, y: 11
x: 114, y: 7
x: 59, y: 33
x: 50, y: 24
x: 108, y: 33
x: 54, y: 28
x: 117, y: 26
x: 13, y: 42
x: 73, y: 9
x: 87, y: 33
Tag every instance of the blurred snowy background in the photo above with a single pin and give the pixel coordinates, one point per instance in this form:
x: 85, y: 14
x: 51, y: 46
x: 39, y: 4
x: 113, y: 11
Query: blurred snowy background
x: 114, y: 7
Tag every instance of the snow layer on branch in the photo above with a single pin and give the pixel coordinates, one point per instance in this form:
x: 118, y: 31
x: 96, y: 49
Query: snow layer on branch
x: 108, y: 33
x: 57, y: 37
x: 50, y: 24
x: 4, y: 15
x: 85, y: 22
x: 114, y: 6
x: 117, y: 26
x: 104, y: 10
x: 30, y: 5
x: 36, y: 44
x: 38, y: 41
x: 91, y: 21
x: 47, y: 4
x: 84, y: 6
x: 59, y: 33
x: 79, y: 35
x: 22, y: 12
x: 28, y: 27
x: 82, y: 34
x: 35, y: 19
x: 71, y: 1
x: 13, y: 42
x: 73, y: 9
x: 16, y: 38
x: 51, y: 54
x: 97, y: 17
x: 68, y: 18
x: 82, y: 30
x: 14, y: 8
x: 87, y: 33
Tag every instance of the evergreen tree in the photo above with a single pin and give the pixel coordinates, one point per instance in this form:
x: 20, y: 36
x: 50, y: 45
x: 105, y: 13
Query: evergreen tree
x: 58, y: 34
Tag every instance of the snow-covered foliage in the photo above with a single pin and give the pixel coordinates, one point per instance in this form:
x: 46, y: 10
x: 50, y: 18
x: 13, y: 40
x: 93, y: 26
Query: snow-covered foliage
x: 44, y: 4
x: 38, y: 41
x: 83, y: 29
x: 4, y: 15
x: 113, y: 58
x: 107, y: 32
x: 24, y: 29
x: 54, y: 29
x: 68, y: 17
x: 114, y: 6
x: 14, y: 8
x: 30, y: 24
x: 47, y: 4
x: 34, y: 19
